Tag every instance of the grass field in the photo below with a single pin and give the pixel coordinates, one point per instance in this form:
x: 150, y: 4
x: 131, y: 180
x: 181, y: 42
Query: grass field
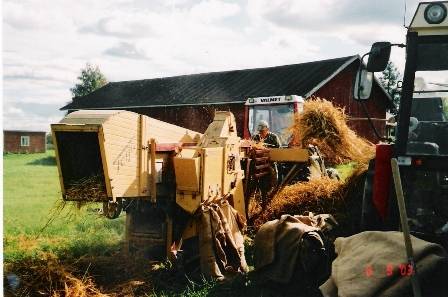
x: 47, y: 247
x: 52, y: 250
x: 32, y: 198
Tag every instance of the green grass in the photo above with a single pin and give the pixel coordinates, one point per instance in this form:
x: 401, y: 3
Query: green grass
x: 32, y: 199
x: 84, y: 238
x: 32, y: 195
x: 345, y: 170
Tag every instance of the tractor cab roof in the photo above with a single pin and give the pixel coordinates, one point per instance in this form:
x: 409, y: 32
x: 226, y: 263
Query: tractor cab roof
x: 430, y: 18
x: 274, y: 100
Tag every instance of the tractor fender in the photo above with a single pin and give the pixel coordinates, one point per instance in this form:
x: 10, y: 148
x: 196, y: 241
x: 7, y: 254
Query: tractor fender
x: 376, y: 193
x: 382, y: 179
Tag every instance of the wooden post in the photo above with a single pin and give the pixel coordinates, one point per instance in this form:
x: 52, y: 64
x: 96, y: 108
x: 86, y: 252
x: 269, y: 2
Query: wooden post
x: 153, y: 171
x: 107, y: 177
x: 405, y: 227
x: 169, y: 234
x: 58, y: 163
x: 140, y: 153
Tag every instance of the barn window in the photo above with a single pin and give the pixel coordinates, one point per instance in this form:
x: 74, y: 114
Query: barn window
x: 24, y: 141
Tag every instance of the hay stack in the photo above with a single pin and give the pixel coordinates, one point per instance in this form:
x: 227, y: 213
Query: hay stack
x: 317, y: 195
x: 113, y: 275
x: 46, y: 276
x: 87, y: 189
x: 325, y: 126
x: 325, y: 195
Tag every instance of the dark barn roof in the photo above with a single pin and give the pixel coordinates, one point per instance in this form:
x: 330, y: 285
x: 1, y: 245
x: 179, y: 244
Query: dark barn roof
x: 23, y: 131
x: 216, y: 87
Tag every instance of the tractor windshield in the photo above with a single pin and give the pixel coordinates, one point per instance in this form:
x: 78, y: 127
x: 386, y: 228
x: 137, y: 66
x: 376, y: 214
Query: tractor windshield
x: 279, y: 116
x: 428, y: 128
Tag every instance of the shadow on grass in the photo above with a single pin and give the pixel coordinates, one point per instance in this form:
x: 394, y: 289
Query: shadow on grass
x: 84, y: 268
x: 250, y: 285
x: 47, y: 161
x: 90, y: 267
x: 105, y: 268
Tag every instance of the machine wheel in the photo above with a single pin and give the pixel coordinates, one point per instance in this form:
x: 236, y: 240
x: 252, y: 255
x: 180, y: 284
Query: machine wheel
x: 111, y: 209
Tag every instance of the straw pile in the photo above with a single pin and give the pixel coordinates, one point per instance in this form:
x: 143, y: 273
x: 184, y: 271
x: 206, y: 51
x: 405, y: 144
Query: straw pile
x: 96, y: 276
x: 87, y: 189
x: 46, y: 276
x: 325, y: 126
x: 324, y: 195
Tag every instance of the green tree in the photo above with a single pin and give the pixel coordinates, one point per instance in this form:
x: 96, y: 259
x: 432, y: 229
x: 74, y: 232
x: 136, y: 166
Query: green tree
x: 49, y: 138
x: 90, y: 79
x: 389, y: 79
x: 445, y: 106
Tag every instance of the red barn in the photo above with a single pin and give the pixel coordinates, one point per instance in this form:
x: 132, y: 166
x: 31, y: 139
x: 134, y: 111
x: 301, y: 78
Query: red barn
x: 190, y: 100
x: 23, y: 141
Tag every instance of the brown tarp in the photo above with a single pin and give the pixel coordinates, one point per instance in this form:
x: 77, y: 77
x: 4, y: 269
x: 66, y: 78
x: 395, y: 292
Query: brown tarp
x: 221, y: 243
x: 283, y: 245
x: 368, y: 264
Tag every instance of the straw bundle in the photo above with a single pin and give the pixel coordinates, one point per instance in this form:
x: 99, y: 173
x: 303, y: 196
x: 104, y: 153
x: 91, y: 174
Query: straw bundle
x: 323, y: 195
x: 46, y: 276
x: 325, y: 126
x: 316, y: 195
x: 87, y: 189
x: 114, y: 275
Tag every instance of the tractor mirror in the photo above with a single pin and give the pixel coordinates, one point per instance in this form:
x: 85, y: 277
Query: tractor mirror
x: 378, y: 56
x: 363, y: 85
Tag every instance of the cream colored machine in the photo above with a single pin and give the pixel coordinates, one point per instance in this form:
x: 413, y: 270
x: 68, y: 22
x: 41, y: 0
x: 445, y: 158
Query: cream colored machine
x: 210, y: 170
x: 159, y: 173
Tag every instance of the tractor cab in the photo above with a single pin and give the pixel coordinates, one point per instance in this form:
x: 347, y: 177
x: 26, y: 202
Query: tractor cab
x: 422, y: 129
x: 421, y: 144
x: 278, y: 111
x: 428, y: 126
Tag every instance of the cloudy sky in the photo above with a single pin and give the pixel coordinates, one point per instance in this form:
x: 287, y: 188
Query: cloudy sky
x: 47, y: 42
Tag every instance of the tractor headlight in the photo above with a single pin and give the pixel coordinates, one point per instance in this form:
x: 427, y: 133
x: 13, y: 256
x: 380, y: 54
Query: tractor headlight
x: 435, y: 13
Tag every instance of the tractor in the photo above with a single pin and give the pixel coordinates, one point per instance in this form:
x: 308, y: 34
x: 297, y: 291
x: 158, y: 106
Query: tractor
x: 277, y: 111
x: 421, y: 142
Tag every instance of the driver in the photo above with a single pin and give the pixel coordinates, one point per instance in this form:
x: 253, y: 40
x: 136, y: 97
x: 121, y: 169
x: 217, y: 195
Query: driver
x: 265, y: 136
x: 413, y: 124
x: 269, y: 140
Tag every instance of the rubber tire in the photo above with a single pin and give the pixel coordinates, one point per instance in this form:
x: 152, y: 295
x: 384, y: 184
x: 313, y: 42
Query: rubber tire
x: 112, y: 210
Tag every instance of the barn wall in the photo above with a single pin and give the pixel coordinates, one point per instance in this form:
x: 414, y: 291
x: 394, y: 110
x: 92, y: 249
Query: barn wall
x: 11, y: 141
x: 340, y: 91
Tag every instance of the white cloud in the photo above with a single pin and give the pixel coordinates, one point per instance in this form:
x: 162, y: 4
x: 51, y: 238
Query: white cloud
x: 213, y: 10
x: 19, y: 119
x: 36, y: 73
x: 120, y: 25
x: 47, y: 42
x: 14, y: 111
x: 126, y: 50
x: 26, y: 16
x: 293, y: 14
